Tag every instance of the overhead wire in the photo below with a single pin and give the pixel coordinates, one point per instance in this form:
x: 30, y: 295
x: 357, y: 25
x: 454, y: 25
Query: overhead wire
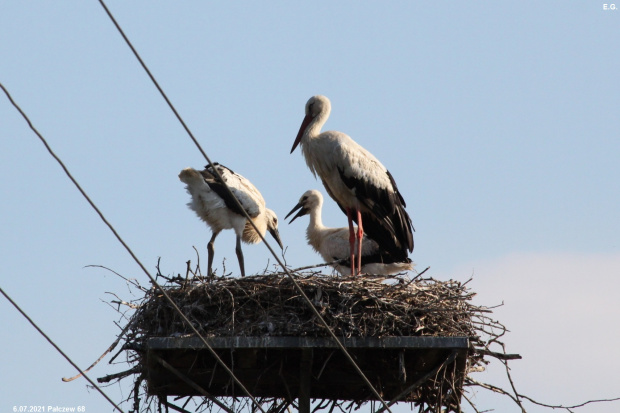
x: 62, y: 353
x: 285, y: 269
x: 129, y: 250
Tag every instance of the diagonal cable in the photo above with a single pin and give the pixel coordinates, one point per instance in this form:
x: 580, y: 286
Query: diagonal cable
x: 62, y: 353
x: 118, y: 237
x: 299, y: 289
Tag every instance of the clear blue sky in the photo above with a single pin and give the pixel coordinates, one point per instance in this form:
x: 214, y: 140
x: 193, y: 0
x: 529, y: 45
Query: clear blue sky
x: 499, y: 121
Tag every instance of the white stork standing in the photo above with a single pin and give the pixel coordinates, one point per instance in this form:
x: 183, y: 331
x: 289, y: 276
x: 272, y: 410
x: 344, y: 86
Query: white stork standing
x: 214, y: 205
x: 333, y: 243
x: 363, y: 188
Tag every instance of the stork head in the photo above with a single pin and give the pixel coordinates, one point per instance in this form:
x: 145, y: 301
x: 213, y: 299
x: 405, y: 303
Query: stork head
x: 190, y: 175
x: 317, y: 111
x: 309, y: 201
x: 272, y: 226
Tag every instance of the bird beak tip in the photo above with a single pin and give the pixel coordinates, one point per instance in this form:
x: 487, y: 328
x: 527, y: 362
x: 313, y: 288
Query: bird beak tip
x: 291, y: 212
x: 276, y: 235
x: 302, y: 129
x: 302, y: 211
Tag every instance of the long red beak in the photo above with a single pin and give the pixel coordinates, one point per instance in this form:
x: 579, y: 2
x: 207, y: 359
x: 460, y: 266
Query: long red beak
x: 302, y: 129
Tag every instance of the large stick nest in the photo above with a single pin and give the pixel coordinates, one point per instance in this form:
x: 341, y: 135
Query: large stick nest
x: 270, y: 305
x: 351, y: 306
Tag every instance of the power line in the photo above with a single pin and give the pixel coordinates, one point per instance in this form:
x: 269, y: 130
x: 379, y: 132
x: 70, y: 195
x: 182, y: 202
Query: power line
x: 297, y: 286
x: 56, y: 346
x: 118, y: 237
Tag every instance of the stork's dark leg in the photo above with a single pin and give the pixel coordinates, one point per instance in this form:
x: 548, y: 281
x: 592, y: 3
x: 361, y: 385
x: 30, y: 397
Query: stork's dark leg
x: 351, y: 241
x: 211, y: 252
x: 240, y: 256
x: 360, y: 235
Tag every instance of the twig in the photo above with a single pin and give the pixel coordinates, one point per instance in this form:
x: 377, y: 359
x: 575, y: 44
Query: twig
x: 309, y: 267
x: 110, y: 377
x: 197, y: 270
x: 501, y: 356
x: 129, y: 280
x: 114, y: 344
x: 569, y: 407
x: 172, y: 406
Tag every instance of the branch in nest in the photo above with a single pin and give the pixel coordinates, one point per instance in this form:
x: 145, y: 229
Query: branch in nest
x: 501, y: 391
x: 500, y: 356
x: 122, y: 374
x: 559, y: 406
x: 109, y: 349
x: 129, y: 280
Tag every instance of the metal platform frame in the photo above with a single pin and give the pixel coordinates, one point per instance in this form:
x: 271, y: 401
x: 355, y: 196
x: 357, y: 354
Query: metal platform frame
x: 302, y: 367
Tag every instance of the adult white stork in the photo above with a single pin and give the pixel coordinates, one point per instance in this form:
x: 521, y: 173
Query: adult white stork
x: 215, y: 206
x: 363, y: 188
x: 333, y: 243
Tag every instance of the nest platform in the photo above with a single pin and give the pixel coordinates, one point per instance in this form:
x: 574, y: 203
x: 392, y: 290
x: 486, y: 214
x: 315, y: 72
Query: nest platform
x: 414, y: 339
x: 291, y: 367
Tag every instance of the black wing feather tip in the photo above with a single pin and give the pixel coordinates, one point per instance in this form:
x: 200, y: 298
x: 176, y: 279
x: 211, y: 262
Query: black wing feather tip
x: 219, y: 187
x: 390, y: 225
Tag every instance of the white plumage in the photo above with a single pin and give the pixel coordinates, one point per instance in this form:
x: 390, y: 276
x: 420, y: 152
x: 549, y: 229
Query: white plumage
x: 214, y: 205
x: 363, y: 188
x: 333, y: 243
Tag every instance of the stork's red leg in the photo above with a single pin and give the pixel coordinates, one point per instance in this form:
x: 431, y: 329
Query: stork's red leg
x: 360, y: 235
x: 351, y: 241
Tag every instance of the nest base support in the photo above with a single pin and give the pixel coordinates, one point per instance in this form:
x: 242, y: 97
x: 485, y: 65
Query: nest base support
x: 310, y: 367
x: 305, y: 374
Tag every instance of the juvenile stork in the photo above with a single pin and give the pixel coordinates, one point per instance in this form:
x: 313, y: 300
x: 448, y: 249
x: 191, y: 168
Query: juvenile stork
x: 214, y: 205
x: 363, y: 188
x: 333, y: 243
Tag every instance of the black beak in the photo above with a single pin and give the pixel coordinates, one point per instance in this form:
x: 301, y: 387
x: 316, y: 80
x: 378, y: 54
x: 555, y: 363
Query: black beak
x: 276, y: 235
x: 302, y: 129
x: 302, y: 211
